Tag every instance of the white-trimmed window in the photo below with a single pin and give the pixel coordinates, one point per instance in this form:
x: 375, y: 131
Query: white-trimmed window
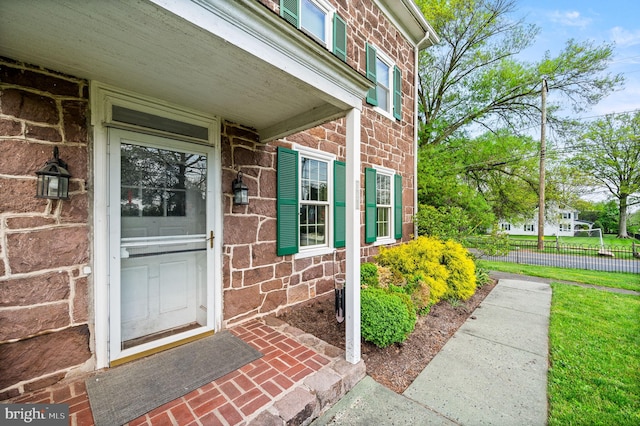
x: 565, y: 227
x: 505, y: 226
x: 528, y: 228
x: 565, y: 215
x: 311, y: 204
x: 318, y: 18
x: 315, y: 200
x: 386, y: 96
x: 383, y: 206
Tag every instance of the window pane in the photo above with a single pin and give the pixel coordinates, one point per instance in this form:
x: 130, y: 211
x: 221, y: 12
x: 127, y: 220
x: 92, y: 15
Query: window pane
x: 314, y: 180
x: 312, y: 225
x: 383, y: 189
x: 382, y: 75
x: 313, y: 19
x: 155, y: 181
x: 383, y: 221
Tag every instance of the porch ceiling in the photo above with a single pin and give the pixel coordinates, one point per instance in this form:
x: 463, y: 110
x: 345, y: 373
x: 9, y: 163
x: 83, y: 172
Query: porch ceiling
x: 234, y: 59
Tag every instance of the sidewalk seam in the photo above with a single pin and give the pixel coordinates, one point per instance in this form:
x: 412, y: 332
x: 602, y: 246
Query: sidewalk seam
x: 506, y: 345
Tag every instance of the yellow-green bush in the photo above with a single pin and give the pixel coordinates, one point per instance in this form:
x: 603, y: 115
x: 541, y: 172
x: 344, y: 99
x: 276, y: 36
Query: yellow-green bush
x: 462, y: 271
x: 445, y: 267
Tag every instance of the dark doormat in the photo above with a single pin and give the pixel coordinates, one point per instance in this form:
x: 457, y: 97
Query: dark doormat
x: 124, y: 393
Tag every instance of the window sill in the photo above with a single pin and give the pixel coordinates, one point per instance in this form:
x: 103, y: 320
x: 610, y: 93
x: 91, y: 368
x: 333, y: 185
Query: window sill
x: 314, y: 252
x: 384, y: 241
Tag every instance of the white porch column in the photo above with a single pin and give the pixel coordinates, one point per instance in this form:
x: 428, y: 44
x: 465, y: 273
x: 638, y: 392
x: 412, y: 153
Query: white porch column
x: 352, y: 287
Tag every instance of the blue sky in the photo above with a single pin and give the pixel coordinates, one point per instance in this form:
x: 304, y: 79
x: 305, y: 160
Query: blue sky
x: 611, y: 21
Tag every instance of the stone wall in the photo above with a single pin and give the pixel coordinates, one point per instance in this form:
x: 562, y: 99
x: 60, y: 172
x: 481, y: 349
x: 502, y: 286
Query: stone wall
x: 257, y: 281
x: 44, y: 244
x: 385, y: 142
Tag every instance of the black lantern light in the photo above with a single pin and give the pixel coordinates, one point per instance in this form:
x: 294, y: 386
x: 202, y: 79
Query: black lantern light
x: 53, y: 179
x: 240, y: 191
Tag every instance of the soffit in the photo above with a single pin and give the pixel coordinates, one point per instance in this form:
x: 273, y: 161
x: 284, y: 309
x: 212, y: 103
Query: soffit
x: 234, y: 59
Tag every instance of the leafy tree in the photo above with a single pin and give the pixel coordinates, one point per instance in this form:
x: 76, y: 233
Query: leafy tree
x: 471, y: 81
x: 472, y: 77
x: 609, y: 150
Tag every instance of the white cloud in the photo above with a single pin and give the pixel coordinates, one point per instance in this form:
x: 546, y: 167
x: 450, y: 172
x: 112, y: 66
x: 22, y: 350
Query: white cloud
x: 625, y: 38
x: 571, y: 18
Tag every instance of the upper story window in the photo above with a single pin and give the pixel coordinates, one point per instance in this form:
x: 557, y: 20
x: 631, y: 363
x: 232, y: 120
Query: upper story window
x: 565, y: 215
x: 315, y: 19
x: 386, y: 96
x: 320, y: 20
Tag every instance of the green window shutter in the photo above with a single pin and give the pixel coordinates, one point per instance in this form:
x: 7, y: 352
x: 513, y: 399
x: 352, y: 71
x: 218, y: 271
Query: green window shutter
x: 370, y: 207
x: 339, y: 37
x: 372, y: 95
x: 290, y: 11
x: 287, y: 202
x: 339, y: 204
x: 397, y: 206
x: 397, y: 93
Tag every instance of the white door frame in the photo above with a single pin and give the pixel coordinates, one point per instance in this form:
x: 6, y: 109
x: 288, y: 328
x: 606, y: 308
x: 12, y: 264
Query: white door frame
x: 103, y: 97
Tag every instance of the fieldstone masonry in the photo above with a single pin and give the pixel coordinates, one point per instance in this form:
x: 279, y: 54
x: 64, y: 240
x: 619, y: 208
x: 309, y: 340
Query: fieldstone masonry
x: 44, y: 244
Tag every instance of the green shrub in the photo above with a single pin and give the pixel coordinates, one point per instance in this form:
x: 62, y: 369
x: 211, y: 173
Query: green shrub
x: 368, y: 275
x: 385, y: 317
x: 482, y: 276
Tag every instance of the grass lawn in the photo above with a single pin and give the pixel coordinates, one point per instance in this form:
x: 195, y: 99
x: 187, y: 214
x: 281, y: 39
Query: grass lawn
x: 605, y: 279
x: 594, y: 377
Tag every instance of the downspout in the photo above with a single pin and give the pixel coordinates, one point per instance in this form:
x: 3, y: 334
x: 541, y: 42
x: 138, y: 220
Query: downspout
x: 416, y: 121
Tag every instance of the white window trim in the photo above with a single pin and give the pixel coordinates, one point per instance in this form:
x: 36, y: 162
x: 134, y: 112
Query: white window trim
x: 391, y: 64
x: 392, y: 219
x: 329, y: 11
x: 327, y: 248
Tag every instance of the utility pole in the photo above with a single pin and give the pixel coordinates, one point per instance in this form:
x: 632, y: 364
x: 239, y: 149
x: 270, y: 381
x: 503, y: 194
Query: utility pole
x: 542, y: 155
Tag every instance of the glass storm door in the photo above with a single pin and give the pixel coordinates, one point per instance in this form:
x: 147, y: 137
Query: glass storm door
x: 159, y: 240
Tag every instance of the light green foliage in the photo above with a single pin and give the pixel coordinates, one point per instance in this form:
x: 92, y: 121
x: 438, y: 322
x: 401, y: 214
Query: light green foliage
x: 462, y: 277
x: 368, y: 274
x: 443, y: 267
x: 482, y: 276
x: 386, y: 317
x: 473, y: 78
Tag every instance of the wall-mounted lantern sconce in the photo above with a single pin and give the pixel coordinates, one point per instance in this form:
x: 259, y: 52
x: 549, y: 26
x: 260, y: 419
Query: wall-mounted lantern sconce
x: 53, y: 179
x: 240, y: 191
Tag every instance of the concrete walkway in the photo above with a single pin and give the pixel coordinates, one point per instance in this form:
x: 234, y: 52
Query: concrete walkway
x: 493, y: 371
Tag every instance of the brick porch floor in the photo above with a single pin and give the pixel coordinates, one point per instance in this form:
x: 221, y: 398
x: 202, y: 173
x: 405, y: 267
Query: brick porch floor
x: 298, y: 377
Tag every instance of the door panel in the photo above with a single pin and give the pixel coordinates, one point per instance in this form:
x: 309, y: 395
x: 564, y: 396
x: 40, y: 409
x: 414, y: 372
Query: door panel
x: 160, y: 280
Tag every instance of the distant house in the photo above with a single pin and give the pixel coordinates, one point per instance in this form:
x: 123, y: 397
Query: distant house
x: 562, y: 222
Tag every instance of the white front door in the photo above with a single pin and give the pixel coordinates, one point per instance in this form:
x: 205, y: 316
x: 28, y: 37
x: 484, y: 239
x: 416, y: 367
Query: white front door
x: 161, y: 241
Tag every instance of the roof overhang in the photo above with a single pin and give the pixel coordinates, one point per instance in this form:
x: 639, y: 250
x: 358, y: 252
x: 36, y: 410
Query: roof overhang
x: 234, y: 59
x: 408, y: 17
